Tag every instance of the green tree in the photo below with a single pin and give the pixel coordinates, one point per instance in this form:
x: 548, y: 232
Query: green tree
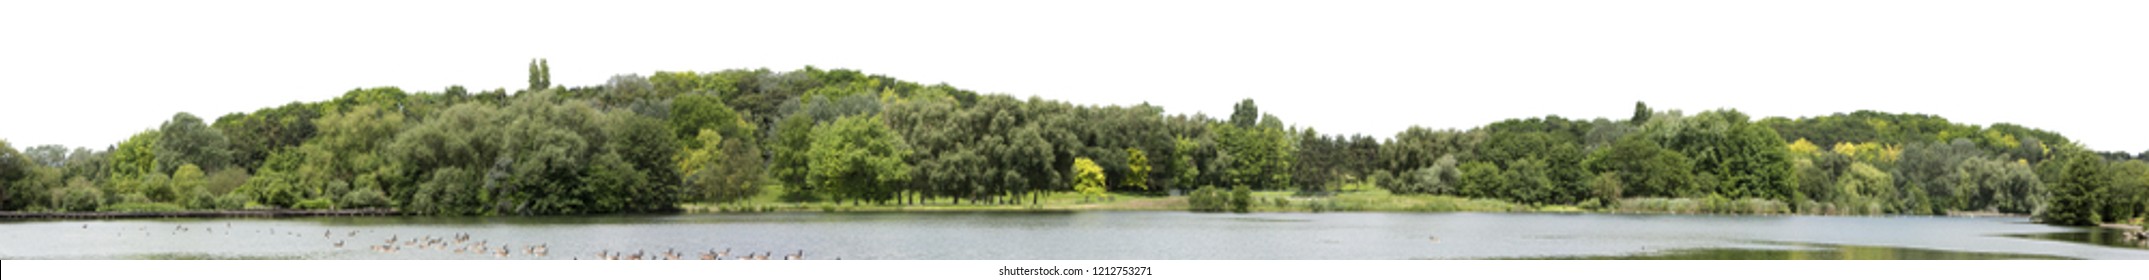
x: 692, y: 113
x: 1865, y: 181
x: 790, y: 157
x: 1529, y: 181
x: 1644, y: 167
x: 80, y: 195
x: 1641, y: 113
x: 186, y: 140
x: 720, y: 170
x: 1750, y: 160
x: 14, y: 167
x: 1442, y: 178
x: 540, y: 74
x: 1245, y: 114
x: 1089, y: 179
x: 46, y: 155
x: 136, y: 156
x: 857, y: 158
x: 1930, y: 168
x: 254, y: 136
x: 1187, y: 171
x: 1138, y: 169
x: 1995, y: 185
x: 1481, y: 179
x: 2124, y: 197
x: 2076, y: 196
x: 189, y: 183
x: 1606, y: 187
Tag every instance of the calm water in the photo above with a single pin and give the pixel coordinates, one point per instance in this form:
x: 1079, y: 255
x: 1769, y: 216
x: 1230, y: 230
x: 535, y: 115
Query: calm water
x: 1087, y: 235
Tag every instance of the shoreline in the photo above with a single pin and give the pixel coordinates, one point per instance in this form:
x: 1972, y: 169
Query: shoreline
x: 197, y: 214
x: 1375, y: 201
x: 884, y: 209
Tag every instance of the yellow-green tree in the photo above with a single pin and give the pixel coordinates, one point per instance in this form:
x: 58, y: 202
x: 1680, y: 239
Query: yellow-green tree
x: 187, y: 183
x: 1089, y: 178
x: 1803, y: 147
x: 1137, y: 169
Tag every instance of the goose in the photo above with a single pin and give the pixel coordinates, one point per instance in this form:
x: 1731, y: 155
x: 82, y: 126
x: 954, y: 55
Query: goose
x: 602, y: 254
x: 353, y: 233
x: 801, y: 255
x: 711, y: 255
x: 392, y: 238
x: 541, y: 250
x: 764, y: 256
x: 502, y: 253
x: 325, y: 233
x: 339, y: 244
x: 636, y: 256
x: 459, y: 250
x: 725, y: 254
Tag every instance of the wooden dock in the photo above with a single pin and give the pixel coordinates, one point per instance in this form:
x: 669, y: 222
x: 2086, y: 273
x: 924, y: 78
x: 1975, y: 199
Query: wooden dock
x: 198, y: 214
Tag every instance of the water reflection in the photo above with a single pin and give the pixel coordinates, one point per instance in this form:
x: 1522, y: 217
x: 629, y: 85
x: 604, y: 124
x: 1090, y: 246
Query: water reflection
x: 2098, y: 236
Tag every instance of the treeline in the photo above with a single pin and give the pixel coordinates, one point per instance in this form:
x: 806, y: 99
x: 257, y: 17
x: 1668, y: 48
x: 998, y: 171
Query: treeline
x: 639, y: 144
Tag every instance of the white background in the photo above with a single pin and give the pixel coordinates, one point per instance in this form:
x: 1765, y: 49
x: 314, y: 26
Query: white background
x: 90, y: 73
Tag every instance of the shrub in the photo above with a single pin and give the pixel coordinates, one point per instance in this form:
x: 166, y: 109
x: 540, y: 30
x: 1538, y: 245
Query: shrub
x: 132, y: 198
x: 336, y: 188
x: 142, y: 207
x: 1206, y: 199
x: 1242, y: 199
x: 199, y: 198
x: 233, y: 201
x: 314, y: 204
x: 364, y: 198
x: 78, y: 198
x: 1716, y: 204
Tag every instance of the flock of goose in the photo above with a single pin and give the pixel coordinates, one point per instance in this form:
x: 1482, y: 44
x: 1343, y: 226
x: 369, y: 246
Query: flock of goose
x: 461, y: 243
x: 711, y: 255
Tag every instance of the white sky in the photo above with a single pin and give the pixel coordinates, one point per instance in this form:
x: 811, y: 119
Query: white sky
x: 90, y: 73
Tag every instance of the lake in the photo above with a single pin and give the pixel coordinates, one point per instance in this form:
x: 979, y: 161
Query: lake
x: 1077, y: 235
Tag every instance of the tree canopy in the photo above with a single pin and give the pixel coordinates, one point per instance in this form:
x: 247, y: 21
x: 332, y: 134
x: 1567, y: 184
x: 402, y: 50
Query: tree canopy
x: 644, y: 144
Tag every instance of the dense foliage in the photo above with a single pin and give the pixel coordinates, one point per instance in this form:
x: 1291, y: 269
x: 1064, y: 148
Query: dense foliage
x: 640, y: 144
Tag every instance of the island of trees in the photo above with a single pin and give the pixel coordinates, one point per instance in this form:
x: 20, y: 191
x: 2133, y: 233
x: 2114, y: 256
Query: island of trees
x: 646, y: 144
